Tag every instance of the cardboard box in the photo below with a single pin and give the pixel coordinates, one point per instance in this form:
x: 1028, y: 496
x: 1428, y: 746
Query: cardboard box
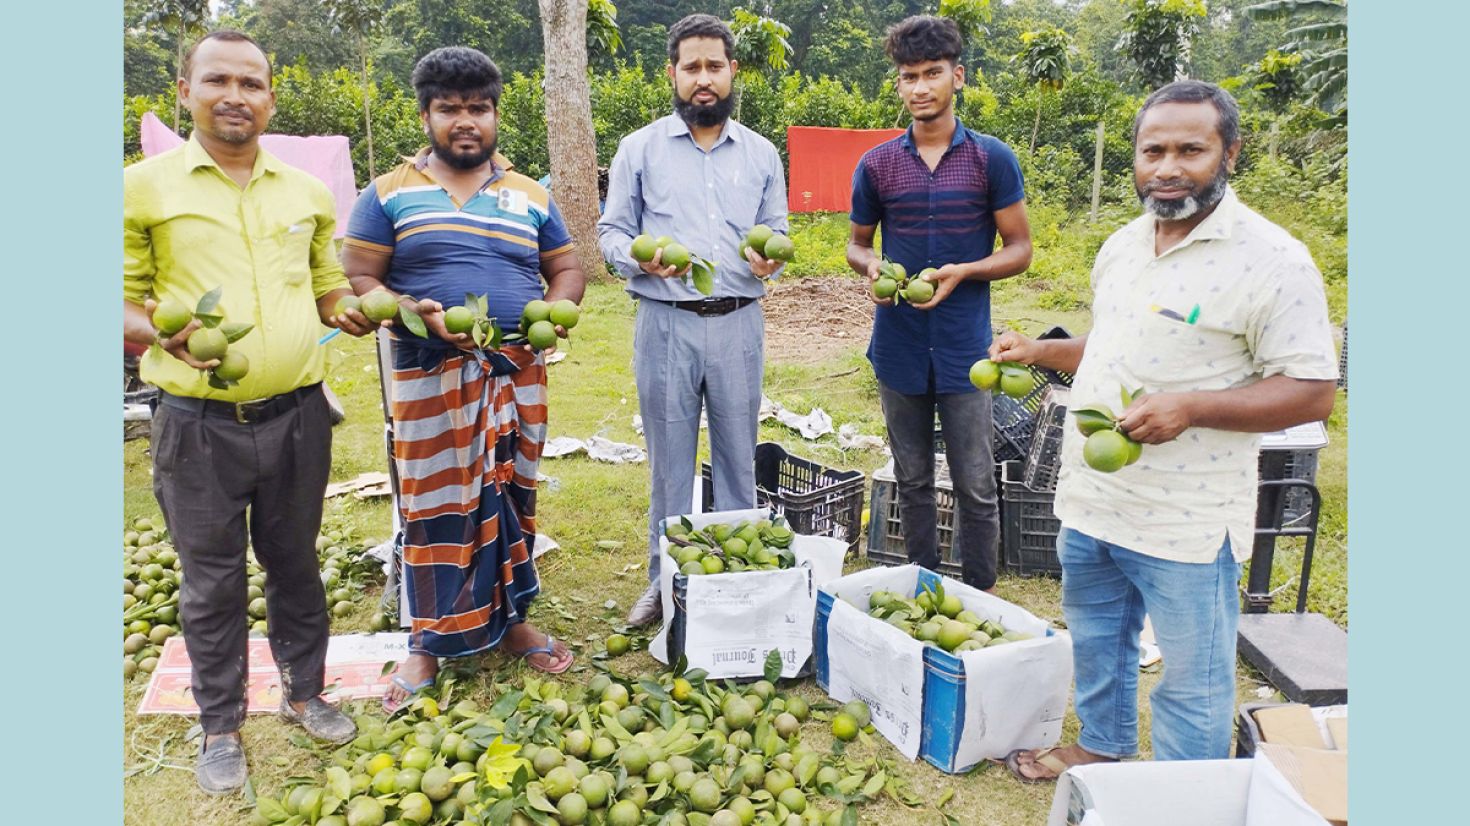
x: 1290, y: 725
x: 1318, y: 775
x: 1196, y: 792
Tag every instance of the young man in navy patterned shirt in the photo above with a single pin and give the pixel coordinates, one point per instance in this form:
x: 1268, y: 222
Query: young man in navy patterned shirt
x: 942, y: 193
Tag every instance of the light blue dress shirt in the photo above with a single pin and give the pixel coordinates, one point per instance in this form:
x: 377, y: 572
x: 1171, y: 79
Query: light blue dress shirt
x: 663, y: 183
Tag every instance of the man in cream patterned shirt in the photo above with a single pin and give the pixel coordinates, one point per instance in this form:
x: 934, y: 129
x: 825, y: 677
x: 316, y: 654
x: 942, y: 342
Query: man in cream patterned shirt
x: 1219, y: 317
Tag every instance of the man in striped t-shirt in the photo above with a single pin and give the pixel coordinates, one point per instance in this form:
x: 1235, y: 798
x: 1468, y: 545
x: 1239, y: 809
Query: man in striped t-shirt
x: 468, y: 423
x: 942, y: 193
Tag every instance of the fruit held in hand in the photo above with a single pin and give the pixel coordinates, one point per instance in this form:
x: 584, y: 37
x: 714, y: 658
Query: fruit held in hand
x: 171, y: 316
x: 758, y: 236
x: 1106, y: 451
x: 347, y: 302
x: 232, y: 366
x: 644, y: 248
x: 565, y: 314
x: 676, y: 256
x: 208, y: 344
x: 541, y: 335
x: 779, y: 248
x: 1017, y: 382
x: 918, y: 291
x: 379, y: 305
x: 985, y: 374
x: 884, y: 287
x: 459, y: 320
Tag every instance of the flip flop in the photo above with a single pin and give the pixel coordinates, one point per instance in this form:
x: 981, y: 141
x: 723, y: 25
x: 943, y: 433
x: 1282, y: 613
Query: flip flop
x: 549, y: 649
x: 1042, y: 756
x: 412, y: 690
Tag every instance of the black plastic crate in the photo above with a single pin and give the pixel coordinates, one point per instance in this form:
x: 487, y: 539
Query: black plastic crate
x: 1291, y: 464
x: 815, y: 500
x: 1028, y: 526
x: 1043, y: 460
x: 885, y: 531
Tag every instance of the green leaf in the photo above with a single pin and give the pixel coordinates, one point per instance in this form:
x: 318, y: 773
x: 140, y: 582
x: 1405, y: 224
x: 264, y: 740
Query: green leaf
x: 210, y: 300
x: 235, y: 330
x: 696, y: 676
x: 536, y: 796
x: 875, y: 784
x: 271, y: 809
x: 339, y: 782
x: 944, y: 798
x: 703, y: 274
x: 773, y: 665
x: 618, y: 732
x: 413, y: 322
x: 482, y: 303
x: 218, y: 383
x: 500, y: 813
x: 669, y: 719
x: 660, y: 793
x: 683, y: 661
x: 209, y: 320
x: 471, y: 301
x: 653, y: 689
x: 1127, y: 397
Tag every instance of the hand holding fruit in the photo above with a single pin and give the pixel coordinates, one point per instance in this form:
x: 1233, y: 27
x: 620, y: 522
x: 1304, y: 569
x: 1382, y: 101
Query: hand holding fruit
x: 885, y: 277
x: 1109, y: 447
x: 766, y: 250
x: 1014, y: 347
x: 1012, y: 378
x: 1157, y: 419
x: 172, y: 336
x: 348, y: 317
x: 943, y: 281
x: 661, y: 256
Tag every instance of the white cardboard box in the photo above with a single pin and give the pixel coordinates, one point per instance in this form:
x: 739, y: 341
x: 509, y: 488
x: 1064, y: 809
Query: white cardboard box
x: 1179, y: 793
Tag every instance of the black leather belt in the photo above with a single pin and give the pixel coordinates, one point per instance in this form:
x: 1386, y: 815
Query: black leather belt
x: 251, y: 412
x: 709, y: 306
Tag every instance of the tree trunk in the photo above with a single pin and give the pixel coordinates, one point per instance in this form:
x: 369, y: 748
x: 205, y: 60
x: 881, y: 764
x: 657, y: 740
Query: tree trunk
x: 571, y: 142
x: 1036, y: 128
x: 180, y: 73
x: 367, y: 112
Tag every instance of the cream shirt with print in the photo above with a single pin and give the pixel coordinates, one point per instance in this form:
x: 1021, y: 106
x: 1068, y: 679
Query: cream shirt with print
x: 1261, y: 311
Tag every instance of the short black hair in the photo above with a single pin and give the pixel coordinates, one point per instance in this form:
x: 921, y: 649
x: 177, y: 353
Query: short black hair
x: 1197, y: 91
x: 924, y: 37
x: 456, y: 70
x: 700, y: 25
x: 228, y: 36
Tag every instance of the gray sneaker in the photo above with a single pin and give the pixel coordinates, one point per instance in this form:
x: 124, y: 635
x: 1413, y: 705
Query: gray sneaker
x: 649, y: 608
x: 221, y: 767
x: 321, y: 720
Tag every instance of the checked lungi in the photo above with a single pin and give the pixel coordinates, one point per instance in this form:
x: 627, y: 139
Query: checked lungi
x: 467, y: 435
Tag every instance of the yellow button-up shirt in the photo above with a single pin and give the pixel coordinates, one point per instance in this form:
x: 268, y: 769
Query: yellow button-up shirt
x: 188, y: 228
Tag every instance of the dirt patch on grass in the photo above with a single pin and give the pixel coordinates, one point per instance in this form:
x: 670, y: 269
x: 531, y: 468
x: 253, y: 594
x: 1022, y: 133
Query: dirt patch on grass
x: 810, y: 320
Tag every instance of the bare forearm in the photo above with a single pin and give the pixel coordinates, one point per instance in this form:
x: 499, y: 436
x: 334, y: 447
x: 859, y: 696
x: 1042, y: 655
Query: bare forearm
x: 1061, y: 354
x: 1268, y: 405
x: 1012, y: 259
x: 565, y: 278
x: 137, y: 328
x: 860, y: 257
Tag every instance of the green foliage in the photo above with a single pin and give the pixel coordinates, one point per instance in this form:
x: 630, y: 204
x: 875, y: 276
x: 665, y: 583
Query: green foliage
x: 1319, y: 34
x: 970, y: 15
x: 522, y: 134
x: 1157, y: 36
x: 1045, y: 57
x: 603, y: 35
x: 821, y: 238
x: 760, y: 41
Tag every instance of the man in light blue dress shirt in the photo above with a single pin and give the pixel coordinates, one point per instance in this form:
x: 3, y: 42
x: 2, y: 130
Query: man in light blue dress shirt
x: 704, y: 180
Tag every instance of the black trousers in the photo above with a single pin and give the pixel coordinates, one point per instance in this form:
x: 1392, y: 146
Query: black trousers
x: 966, y: 420
x: 216, y: 480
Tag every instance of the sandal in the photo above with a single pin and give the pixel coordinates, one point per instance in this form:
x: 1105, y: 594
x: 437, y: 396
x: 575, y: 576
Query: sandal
x: 412, y: 690
x: 549, y: 649
x: 1048, y: 760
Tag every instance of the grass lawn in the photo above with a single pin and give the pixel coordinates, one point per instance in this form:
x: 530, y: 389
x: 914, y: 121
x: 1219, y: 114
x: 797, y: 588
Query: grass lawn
x: 597, y: 513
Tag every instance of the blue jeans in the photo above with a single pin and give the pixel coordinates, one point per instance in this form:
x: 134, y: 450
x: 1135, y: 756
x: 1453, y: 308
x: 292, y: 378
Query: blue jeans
x: 1194, y: 608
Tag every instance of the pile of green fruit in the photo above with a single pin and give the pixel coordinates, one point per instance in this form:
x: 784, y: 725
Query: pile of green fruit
x: 761, y: 545
x: 937, y: 618
x: 894, y: 282
x: 768, y: 244
x: 1013, y: 378
x: 701, y: 273
x: 213, y: 338
x: 674, y: 749
x: 1107, y: 449
x: 151, y: 576
x: 152, y: 573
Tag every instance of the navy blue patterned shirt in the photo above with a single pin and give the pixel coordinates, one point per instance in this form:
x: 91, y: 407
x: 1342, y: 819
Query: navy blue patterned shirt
x: 930, y: 219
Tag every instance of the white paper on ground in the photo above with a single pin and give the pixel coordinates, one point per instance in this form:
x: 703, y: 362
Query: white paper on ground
x: 872, y: 661
x: 733, y: 621
x: 823, y: 554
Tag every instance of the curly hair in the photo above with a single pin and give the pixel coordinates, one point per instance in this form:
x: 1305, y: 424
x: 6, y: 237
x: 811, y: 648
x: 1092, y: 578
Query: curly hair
x: 456, y: 70
x: 924, y: 37
x: 700, y: 25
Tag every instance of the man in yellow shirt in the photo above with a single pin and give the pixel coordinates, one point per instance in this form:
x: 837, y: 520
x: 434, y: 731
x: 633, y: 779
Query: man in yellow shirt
x: 221, y: 212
